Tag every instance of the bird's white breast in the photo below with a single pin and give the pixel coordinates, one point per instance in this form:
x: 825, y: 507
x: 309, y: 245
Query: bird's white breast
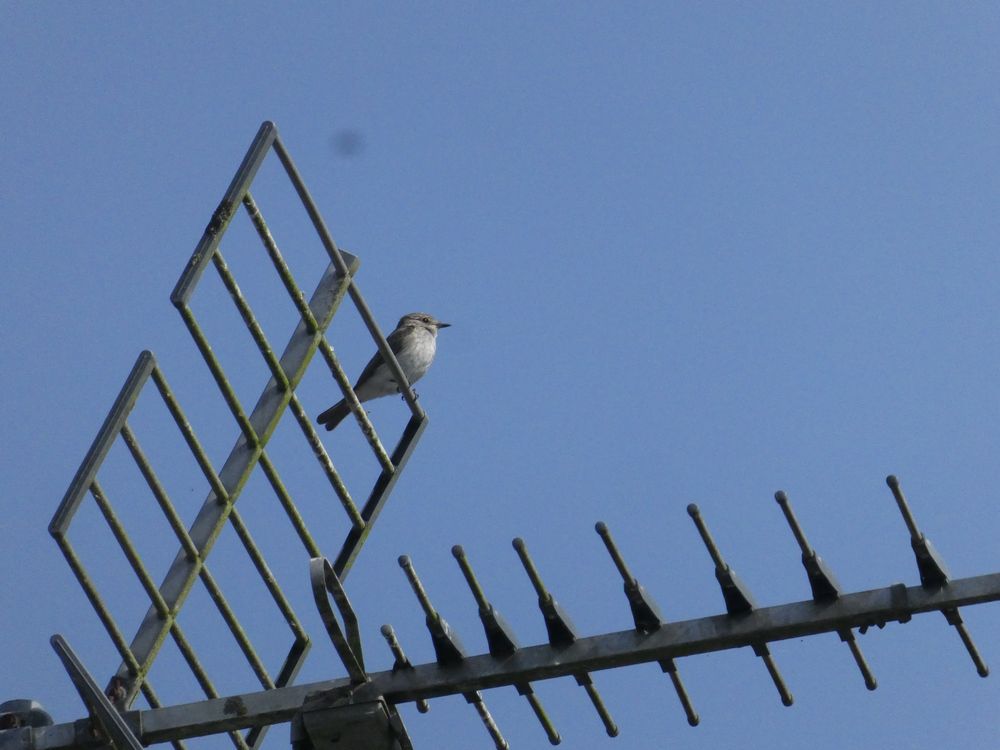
x: 416, y: 358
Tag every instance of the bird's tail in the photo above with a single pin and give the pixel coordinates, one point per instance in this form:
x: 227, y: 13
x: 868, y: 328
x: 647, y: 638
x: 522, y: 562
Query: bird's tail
x: 334, y: 415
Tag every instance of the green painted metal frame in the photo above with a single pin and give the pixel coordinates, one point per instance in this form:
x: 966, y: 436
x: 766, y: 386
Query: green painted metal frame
x: 255, y: 429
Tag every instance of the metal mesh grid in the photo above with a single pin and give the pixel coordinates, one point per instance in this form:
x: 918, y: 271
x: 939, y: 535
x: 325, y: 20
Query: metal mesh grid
x: 255, y: 429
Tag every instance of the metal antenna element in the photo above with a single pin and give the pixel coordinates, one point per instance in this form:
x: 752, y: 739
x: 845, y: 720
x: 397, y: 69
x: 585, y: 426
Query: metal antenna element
x: 646, y: 616
x: 739, y: 601
x: 401, y: 662
x: 501, y: 640
x: 252, y: 430
x: 824, y: 586
x: 449, y: 649
x: 562, y: 633
x: 934, y: 573
x: 364, y: 716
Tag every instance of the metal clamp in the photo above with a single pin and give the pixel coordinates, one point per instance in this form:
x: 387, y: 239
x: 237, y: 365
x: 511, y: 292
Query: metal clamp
x: 325, y: 581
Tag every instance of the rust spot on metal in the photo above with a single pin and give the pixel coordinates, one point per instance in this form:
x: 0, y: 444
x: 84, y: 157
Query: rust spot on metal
x: 236, y: 706
x: 220, y: 218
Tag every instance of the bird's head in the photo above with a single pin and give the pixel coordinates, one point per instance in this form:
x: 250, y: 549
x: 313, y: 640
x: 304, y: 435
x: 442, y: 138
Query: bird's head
x: 421, y: 320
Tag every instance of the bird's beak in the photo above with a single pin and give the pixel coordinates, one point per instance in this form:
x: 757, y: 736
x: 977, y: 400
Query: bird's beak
x: 443, y: 325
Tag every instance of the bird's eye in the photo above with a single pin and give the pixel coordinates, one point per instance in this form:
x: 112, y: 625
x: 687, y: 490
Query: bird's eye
x: 427, y: 319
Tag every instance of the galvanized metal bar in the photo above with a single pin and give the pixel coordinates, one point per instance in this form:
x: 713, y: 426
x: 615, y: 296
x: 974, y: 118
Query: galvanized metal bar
x: 401, y: 662
x: 476, y: 699
x: 284, y: 272
x: 250, y: 320
x: 233, y: 623
x: 954, y: 619
x: 268, y: 578
x: 543, y: 718
x: 214, y: 513
x: 761, y: 650
x: 847, y: 636
x: 159, y: 492
x: 131, y: 553
x: 219, y: 375
x: 793, y: 523
x: 706, y: 537
x: 291, y: 510
x: 586, y: 681
x: 193, y: 662
x: 594, y: 653
x: 187, y: 431
x: 103, y: 613
x: 904, y: 508
x: 380, y: 493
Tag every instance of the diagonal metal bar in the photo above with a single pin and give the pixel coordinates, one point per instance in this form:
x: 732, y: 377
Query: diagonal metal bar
x: 379, y: 494
x: 250, y: 320
x: 118, y: 732
x: 212, y: 235
x: 284, y: 272
x: 332, y: 475
x: 291, y: 510
x: 113, y: 424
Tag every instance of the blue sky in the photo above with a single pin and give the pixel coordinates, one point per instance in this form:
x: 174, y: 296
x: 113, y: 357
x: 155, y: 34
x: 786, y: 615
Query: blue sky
x: 691, y: 252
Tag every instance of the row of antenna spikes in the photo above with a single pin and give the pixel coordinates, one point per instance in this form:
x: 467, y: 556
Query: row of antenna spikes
x: 647, y: 618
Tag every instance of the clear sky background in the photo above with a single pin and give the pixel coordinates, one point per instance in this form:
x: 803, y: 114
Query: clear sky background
x: 691, y: 252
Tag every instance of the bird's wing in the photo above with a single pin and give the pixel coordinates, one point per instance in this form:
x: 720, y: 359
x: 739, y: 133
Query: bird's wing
x: 395, y: 341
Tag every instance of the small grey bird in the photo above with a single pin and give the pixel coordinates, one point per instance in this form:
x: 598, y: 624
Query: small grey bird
x: 413, y: 342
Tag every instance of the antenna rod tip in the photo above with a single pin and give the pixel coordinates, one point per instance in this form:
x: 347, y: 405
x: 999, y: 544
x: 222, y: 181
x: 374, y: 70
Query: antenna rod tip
x: 601, y: 528
x: 892, y: 481
x: 458, y: 552
x: 404, y: 561
x: 693, y: 511
x: 386, y: 630
x: 781, y: 497
x: 518, y: 543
